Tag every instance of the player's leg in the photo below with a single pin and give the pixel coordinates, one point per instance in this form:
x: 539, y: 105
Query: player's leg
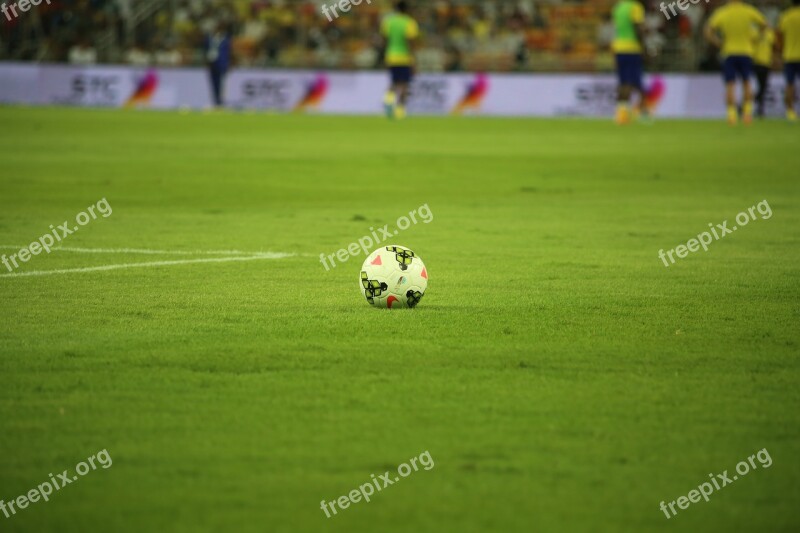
x: 404, y: 75
x: 730, y: 103
x: 791, y: 71
x: 623, y: 115
x: 762, y: 78
x: 390, y: 99
x: 729, y: 75
x: 626, y: 81
x: 402, y: 94
x: 745, y: 70
x: 747, y: 103
x: 640, y: 107
x: 216, y: 85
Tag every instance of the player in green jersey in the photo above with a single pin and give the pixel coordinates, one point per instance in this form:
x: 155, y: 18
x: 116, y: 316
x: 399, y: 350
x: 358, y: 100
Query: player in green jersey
x: 628, y: 16
x: 400, y: 32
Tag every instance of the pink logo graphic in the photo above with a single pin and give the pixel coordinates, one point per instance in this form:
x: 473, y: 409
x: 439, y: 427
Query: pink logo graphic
x: 476, y: 92
x: 315, y: 93
x: 145, y: 90
x: 654, y: 93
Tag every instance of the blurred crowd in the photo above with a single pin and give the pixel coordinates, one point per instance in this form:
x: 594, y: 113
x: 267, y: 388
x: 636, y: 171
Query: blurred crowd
x: 495, y: 35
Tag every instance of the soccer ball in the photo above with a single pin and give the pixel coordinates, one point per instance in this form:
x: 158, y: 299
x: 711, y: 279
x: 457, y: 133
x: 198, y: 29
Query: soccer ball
x: 392, y: 277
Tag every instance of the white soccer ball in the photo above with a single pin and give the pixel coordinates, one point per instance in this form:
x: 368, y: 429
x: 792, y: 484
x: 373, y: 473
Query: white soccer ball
x: 393, y: 276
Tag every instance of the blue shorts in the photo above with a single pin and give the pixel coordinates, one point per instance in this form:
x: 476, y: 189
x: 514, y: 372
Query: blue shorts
x: 791, y: 71
x: 401, y: 74
x: 737, y: 66
x: 630, y: 68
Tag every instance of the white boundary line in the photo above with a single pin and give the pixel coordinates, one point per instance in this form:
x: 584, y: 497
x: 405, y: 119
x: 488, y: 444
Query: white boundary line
x: 135, y: 251
x: 267, y: 255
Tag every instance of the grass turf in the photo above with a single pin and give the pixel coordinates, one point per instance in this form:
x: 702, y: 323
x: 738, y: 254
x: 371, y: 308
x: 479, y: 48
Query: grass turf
x: 560, y: 376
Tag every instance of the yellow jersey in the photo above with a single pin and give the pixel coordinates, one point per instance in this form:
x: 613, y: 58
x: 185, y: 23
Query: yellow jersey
x: 735, y: 21
x: 764, y: 48
x: 790, y: 29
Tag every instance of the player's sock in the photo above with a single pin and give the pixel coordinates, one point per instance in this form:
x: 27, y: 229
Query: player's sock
x: 747, y: 112
x: 389, y: 102
x: 733, y: 115
x: 623, y: 114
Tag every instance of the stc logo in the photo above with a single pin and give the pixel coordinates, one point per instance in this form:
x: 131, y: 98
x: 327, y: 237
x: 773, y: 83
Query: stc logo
x: 95, y: 88
x: 269, y: 93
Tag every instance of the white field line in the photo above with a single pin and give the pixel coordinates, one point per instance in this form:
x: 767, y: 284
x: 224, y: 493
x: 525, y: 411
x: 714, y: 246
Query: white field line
x: 266, y: 255
x: 135, y: 251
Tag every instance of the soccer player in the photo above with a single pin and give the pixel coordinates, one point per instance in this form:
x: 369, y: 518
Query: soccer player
x: 400, y: 31
x: 628, y: 16
x: 789, y: 27
x: 731, y: 29
x: 762, y: 65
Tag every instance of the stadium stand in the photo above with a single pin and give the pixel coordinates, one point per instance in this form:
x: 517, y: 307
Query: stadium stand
x: 487, y: 35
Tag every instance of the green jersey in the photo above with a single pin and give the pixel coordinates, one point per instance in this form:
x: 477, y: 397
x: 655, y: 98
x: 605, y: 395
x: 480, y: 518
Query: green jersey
x: 627, y: 14
x: 399, y: 30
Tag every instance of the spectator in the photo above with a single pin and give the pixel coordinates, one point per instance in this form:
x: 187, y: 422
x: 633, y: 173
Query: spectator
x: 167, y: 56
x: 82, y: 53
x: 218, y: 57
x: 457, y: 34
x: 138, y: 56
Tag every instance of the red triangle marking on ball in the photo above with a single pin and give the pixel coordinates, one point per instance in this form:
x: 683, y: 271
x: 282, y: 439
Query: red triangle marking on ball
x: 390, y: 300
x: 424, y: 273
x: 377, y: 261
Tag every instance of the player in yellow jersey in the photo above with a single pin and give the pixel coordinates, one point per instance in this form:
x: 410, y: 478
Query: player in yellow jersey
x: 731, y: 28
x: 628, y: 17
x: 400, y: 32
x: 789, y: 28
x: 762, y: 66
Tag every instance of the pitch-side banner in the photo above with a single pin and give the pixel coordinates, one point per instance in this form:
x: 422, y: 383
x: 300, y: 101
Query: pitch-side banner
x: 544, y: 95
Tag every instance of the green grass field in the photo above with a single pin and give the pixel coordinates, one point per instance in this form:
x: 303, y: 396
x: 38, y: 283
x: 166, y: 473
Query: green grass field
x: 560, y: 376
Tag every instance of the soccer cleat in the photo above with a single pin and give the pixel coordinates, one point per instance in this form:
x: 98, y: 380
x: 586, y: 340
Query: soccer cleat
x: 399, y: 112
x: 791, y: 116
x: 733, y: 116
x: 644, y: 116
x: 623, y: 115
x: 747, y: 113
x: 389, y: 101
